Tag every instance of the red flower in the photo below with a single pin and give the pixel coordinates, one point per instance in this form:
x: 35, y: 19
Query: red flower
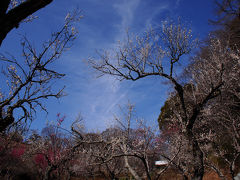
x: 17, y: 152
x: 60, y: 119
x: 41, y: 160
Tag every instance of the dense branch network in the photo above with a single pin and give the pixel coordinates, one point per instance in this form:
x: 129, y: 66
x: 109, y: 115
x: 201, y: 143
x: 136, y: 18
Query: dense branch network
x: 156, y: 53
x: 31, y: 81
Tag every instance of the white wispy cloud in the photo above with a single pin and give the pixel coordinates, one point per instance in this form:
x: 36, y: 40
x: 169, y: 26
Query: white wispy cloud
x: 156, y: 11
x: 177, y: 3
x: 126, y: 10
x: 104, y: 104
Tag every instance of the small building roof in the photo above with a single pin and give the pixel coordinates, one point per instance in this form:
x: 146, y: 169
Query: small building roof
x: 161, y: 163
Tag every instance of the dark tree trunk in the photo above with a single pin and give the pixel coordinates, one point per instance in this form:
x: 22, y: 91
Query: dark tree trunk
x: 5, y: 123
x: 198, y: 164
x: 11, y: 19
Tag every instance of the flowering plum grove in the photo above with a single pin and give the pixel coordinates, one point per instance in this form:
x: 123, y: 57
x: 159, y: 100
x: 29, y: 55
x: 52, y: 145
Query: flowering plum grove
x: 199, y: 124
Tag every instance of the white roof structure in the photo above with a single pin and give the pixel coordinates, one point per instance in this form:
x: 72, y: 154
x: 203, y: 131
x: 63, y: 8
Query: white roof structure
x: 161, y: 163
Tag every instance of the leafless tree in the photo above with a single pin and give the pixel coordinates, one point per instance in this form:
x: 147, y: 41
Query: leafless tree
x: 55, y: 152
x: 136, y: 145
x: 30, y: 79
x: 157, y: 53
x: 91, y: 154
x: 135, y: 149
x: 227, y: 9
x: 219, y: 125
x: 228, y: 17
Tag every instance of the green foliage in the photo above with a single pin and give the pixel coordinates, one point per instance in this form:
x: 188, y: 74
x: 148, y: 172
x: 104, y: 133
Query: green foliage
x: 165, y: 114
x: 172, y: 104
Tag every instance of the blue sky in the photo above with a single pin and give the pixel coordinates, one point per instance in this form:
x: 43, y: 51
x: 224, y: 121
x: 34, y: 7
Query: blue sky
x: 104, y: 23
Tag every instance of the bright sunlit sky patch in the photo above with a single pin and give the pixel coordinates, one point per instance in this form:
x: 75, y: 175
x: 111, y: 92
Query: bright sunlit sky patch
x: 104, y: 23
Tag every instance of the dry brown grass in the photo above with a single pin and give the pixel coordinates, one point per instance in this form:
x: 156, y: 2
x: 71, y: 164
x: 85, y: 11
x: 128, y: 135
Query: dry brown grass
x: 168, y: 175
